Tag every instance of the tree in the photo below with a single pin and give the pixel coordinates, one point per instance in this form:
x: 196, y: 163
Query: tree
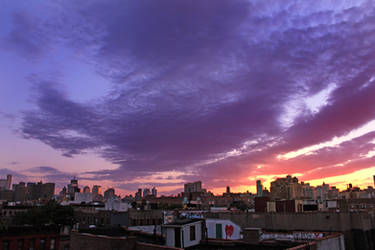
x: 50, y: 213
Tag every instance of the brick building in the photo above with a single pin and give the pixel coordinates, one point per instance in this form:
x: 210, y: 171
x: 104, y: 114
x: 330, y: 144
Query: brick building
x: 28, y: 237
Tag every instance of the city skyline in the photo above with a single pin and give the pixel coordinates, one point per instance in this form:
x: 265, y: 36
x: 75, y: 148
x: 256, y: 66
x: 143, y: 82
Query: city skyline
x: 141, y: 94
x: 191, y: 187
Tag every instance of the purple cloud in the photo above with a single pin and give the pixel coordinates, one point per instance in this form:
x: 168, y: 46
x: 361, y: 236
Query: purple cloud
x: 204, y: 86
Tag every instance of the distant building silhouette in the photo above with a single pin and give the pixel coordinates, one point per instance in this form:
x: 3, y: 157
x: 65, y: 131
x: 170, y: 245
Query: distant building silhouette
x: 109, y: 193
x: 154, y: 192
x: 5, y: 184
x: 193, y: 187
x: 286, y: 188
x: 86, y: 189
x: 73, y: 188
x: 259, y: 188
x: 146, y: 192
x: 138, y: 194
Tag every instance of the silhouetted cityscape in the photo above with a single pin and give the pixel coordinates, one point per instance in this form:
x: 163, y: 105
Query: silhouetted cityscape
x: 252, y: 220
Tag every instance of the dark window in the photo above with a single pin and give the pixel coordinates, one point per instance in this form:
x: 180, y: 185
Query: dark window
x: 177, y: 237
x: 6, y: 244
x: 52, y: 244
x: 192, y: 232
x: 20, y: 244
x: 42, y: 244
x: 219, y: 232
x: 31, y: 244
x: 66, y: 247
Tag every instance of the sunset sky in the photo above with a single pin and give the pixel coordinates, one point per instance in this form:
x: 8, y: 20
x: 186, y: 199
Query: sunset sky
x: 141, y: 93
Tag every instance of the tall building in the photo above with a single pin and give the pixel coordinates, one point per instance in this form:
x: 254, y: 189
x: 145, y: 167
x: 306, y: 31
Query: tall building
x: 73, y: 187
x: 259, y: 188
x: 193, y: 187
x: 322, y: 192
x: 86, y: 189
x: 62, y: 194
x: 146, y: 192
x: 374, y: 179
x: 138, y: 194
x: 154, y: 192
x: 307, y: 191
x: 20, y: 192
x: 109, y: 193
x: 97, y: 193
x: 48, y: 190
x: 33, y: 191
x: 40, y: 190
x: 228, y: 190
x: 6, y: 195
x: 286, y: 188
x: 5, y: 184
x: 97, y: 190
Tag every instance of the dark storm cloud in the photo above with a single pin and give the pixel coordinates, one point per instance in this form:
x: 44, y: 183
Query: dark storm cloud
x: 64, y: 117
x: 194, y: 80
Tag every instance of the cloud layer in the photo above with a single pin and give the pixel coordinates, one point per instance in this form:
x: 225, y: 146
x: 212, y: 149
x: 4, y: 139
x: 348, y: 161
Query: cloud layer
x: 209, y: 88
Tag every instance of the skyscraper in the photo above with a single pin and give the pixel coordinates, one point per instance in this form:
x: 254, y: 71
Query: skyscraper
x: 73, y: 187
x: 86, y: 189
x: 20, y: 192
x: 193, y: 187
x: 259, y: 188
x: 154, y: 192
x: 286, y: 188
x: 40, y: 190
x: 5, y: 184
x: 109, y: 193
x: 146, y: 192
x: 96, y: 190
x: 138, y: 194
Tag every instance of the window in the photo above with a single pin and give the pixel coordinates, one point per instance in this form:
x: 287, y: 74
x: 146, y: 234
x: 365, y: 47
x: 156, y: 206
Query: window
x: 31, y: 244
x: 52, y: 244
x: 219, y: 231
x: 42, y: 244
x: 20, y: 244
x: 192, y: 232
x: 6, y: 244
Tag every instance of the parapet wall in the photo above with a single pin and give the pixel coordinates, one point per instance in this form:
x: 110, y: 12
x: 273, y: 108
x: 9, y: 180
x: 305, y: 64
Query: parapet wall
x: 340, y: 222
x: 358, y: 227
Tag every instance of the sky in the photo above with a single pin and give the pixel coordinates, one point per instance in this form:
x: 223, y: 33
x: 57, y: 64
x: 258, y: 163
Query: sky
x: 135, y: 94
